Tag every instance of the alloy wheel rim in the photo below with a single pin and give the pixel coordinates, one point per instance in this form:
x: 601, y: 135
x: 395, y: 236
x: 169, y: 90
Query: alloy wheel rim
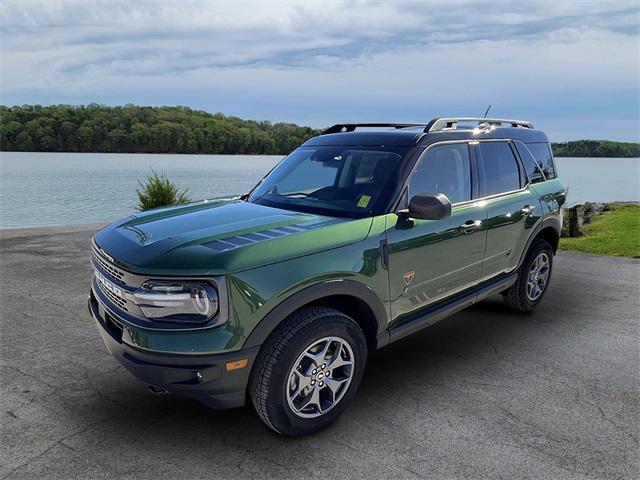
x: 320, y: 377
x: 538, y: 276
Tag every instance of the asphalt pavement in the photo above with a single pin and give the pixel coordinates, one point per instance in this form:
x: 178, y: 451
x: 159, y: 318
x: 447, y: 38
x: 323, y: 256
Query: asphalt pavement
x: 484, y: 394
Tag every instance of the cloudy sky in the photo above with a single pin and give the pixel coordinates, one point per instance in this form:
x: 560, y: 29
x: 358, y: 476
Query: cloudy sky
x: 572, y: 67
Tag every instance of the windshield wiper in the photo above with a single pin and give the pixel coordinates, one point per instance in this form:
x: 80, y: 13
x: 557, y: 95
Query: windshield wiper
x: 293, y: 194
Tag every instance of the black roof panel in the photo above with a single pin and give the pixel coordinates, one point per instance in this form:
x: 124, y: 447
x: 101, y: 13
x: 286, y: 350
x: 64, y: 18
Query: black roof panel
x: 402, y: 137
x: 511, y: 133
x: 416, y: 137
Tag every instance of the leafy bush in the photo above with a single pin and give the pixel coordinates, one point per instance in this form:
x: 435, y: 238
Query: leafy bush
x: 159, y: 191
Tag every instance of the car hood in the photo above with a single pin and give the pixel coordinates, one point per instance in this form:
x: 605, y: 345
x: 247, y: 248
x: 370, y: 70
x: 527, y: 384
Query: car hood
x: 218, y: 237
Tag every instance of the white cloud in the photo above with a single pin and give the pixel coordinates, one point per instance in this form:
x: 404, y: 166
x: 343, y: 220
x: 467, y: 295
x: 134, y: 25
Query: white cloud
x: 321, y: 61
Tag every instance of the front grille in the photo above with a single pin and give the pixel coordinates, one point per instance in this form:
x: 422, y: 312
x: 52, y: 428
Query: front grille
x: 108, y: 267
x: 110, y: 272
x: 114, y: 298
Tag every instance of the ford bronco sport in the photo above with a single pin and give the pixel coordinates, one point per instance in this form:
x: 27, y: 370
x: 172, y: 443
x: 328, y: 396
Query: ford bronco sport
x: 361, y: 236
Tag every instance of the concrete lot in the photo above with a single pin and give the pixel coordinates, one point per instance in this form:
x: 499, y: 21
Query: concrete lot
x: 484, y: 394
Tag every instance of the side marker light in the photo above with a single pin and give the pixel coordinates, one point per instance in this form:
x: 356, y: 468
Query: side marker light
x: 237, y: 364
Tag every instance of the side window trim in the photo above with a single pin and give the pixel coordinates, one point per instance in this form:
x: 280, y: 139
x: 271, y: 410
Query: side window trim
x: 522, y: 172
x: 481, y: 177
x: 475, y: 179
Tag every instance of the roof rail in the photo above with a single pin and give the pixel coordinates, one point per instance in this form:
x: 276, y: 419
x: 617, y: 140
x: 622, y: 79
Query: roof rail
x: 440, y: 124
x: 350, y: 127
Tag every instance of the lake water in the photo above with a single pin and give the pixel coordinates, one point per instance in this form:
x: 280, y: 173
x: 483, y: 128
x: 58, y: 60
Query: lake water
x: 38, y: 189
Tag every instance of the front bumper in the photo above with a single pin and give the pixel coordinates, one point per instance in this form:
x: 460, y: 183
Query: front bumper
x: 203, y: 377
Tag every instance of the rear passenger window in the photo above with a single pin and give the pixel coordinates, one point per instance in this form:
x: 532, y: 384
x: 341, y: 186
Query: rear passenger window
x: 501, y: 173
x: 542, y: 153
x: 444, y: 169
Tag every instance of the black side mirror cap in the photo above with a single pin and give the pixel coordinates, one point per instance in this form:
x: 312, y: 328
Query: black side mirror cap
x: 428, y: 206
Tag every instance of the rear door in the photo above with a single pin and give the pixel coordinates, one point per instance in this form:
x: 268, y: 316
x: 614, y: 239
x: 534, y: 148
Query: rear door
x: 512, y: 207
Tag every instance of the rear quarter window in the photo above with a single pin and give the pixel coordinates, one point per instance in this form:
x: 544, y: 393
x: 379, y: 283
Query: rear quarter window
x: 542, y: 153
x: 533, y: 168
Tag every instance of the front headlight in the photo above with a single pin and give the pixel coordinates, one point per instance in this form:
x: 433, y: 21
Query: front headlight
x: 176, y: 301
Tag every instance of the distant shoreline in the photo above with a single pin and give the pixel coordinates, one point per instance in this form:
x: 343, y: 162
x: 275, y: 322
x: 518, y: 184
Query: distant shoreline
x: 237, y: 154
x: 181, y: 130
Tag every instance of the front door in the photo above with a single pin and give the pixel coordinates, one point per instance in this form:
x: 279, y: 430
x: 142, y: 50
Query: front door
x: 430, y: 260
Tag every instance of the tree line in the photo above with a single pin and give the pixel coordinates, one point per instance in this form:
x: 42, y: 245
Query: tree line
x: 136, y: 129
x: 596, y: 148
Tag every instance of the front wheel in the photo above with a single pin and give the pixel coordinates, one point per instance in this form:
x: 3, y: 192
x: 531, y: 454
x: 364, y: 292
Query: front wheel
x: 308, y: 371
x: 533, y: 278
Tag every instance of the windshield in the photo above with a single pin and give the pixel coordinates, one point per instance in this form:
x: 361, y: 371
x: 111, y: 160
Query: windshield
x: 332, y: 180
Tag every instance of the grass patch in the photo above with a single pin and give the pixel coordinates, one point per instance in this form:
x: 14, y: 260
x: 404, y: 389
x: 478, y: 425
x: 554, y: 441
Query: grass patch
x: 616, y: 232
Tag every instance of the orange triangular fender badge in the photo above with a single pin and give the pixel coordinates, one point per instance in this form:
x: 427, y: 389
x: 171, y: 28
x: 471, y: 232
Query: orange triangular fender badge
x: 408, y: 277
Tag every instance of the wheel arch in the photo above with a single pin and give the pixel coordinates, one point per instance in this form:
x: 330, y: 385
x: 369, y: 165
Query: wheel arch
x: 352, y: 298
x: 551, y: 235
x: 548, y: 229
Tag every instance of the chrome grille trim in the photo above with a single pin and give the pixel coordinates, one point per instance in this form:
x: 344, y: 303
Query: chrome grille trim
x: 117, y: 300
x: 108, y: 267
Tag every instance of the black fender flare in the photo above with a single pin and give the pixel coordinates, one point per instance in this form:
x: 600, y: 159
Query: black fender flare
x: 311, y: 294
x: 552, y: 222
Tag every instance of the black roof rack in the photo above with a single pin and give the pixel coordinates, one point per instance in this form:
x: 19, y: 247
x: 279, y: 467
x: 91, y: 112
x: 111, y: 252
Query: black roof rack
x: 350, y: 127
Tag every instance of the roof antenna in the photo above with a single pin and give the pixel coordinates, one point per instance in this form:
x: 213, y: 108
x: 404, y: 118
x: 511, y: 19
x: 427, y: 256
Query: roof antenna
x: 487, y: 111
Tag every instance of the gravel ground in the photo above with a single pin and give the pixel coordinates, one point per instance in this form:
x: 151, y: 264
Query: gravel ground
x: 484, y: 394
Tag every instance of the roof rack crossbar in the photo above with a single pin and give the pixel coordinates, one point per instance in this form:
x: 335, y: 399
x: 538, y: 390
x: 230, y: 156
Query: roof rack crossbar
x: 350, y: 127
x: 440, y: 124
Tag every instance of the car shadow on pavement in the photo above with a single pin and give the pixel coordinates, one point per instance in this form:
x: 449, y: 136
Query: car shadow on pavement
x: 442, y: 353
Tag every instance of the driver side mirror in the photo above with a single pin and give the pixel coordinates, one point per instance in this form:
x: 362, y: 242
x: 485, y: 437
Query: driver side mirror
x: 428, y: 206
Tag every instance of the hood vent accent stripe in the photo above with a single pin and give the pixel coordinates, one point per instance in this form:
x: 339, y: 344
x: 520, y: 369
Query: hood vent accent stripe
x: 220, y: 245
x: 230, y: 243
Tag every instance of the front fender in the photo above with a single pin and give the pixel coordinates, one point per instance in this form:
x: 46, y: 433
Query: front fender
x: 261, y: 298
x: 311, y: 294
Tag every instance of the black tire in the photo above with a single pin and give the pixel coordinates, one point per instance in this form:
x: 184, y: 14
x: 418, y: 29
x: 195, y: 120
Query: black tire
x: 270, y: 377
x: 516, y: 296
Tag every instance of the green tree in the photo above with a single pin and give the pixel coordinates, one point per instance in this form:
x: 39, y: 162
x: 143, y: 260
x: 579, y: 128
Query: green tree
x: 132, y: 128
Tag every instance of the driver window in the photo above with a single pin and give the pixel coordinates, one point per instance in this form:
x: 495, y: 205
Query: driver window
x: 444, y: 169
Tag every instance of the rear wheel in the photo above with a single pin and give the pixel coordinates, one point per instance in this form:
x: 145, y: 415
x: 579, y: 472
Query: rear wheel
x: 308, y: 371
x: 533, y: 278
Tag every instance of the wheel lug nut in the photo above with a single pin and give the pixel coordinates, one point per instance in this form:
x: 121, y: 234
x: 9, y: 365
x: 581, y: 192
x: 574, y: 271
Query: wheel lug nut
x: 313, y: 382
x: 314, y: 371
x: 323, y: 366
x: 321, y: 384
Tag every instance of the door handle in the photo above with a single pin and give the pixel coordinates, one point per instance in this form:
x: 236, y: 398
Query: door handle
x: 528, y: 209
x: 470, y: 226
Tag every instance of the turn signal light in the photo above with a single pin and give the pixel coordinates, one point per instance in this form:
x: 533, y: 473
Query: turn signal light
x: 237, y: 364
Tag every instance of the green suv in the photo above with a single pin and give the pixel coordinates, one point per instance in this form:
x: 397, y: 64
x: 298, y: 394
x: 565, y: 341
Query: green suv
x: 361, y: 236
